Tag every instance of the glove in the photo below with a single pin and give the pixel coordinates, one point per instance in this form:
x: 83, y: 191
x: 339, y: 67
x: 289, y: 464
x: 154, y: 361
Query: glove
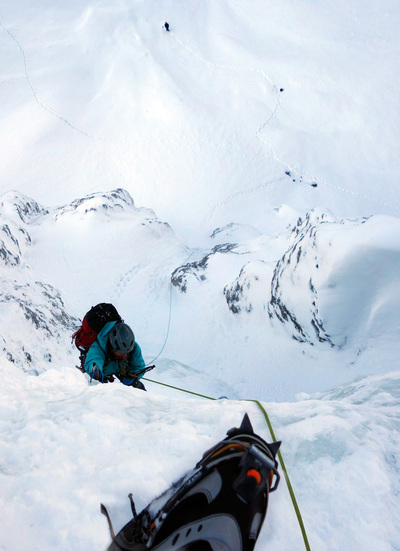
x: 127, y: 380
x: 95, y: 373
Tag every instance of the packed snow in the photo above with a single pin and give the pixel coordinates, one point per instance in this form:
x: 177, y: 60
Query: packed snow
x: 231, y: 185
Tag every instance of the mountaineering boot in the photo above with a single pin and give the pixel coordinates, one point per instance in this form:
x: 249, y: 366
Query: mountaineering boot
x: 218, y: 506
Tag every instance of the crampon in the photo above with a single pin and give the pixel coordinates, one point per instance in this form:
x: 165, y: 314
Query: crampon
x: 218, y: 506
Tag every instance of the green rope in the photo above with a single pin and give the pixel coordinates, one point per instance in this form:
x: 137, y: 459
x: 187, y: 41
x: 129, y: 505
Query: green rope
x: 289, y: 484
x: 282, y: 463
x: 181, y: 389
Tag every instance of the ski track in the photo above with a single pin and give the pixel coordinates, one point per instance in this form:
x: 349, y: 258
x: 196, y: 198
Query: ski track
x: 125, y: 279
x: 243, y: 192
x: 123, y: 282
x: 304, y: 175
x: 270, y: 84
x: 39, y: 101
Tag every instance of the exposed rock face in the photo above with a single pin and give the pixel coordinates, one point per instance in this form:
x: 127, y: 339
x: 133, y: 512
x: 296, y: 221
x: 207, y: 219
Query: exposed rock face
x: 326, y: 286
x: 27, y: 307
x: 18, y: 206
x: 310, y: 278
x: 248, y: 293
x: 16, y: 211
x: 113, y: 201
x: 197, y: 270
x: 329, y: 282
x: 293, y: 278
x: 36, y: 310
x: 10, y: 248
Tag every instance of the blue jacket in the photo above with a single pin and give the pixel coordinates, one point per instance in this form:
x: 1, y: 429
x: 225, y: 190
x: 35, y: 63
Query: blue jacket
x: 97, y: 354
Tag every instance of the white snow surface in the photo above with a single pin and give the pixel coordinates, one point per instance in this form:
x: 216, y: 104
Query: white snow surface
x: 232, y: 187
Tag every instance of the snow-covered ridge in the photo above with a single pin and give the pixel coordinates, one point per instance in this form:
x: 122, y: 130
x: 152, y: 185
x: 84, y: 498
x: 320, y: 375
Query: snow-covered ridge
x: 16, y: 205
x: 336, y: 282
x: 329, y: 282
x: 244, y: 117
x: 248, y: 292
x: 42, y: 250
x: 105, y: 203
x: 197, y: 269
x: 13, y: 239
x: 20, y: 208
x: 34, y: 325
x: 34, y: 322
x: 309, y: 278
x: 316, y: 287
x: 374, y: 391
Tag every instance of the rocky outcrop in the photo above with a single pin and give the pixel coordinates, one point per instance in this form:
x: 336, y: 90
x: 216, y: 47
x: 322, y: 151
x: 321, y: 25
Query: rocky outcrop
x: 248, y: 292
x: 10, y: 247
x: 36, y: 323
x: 18, y: 206
x: 197, y: 270
x: 293, y: 277
x: 117, y: 200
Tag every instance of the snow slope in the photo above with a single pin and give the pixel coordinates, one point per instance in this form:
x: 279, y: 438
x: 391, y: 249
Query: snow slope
x: 61, y: 436
x: 65, y: 431
x: 232, y: 187
x: 97, y: 95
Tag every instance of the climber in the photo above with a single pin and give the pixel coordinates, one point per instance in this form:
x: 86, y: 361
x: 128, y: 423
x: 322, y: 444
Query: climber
x: 115, y: 352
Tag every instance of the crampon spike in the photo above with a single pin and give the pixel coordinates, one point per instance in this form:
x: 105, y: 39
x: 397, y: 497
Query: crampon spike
x: 219, y: 505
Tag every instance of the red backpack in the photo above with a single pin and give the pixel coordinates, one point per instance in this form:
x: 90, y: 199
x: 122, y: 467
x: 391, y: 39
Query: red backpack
x: 92, y: 324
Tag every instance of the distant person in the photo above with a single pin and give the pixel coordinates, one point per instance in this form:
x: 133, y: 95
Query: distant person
x: 166, y: 26
x: 115, y: 352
